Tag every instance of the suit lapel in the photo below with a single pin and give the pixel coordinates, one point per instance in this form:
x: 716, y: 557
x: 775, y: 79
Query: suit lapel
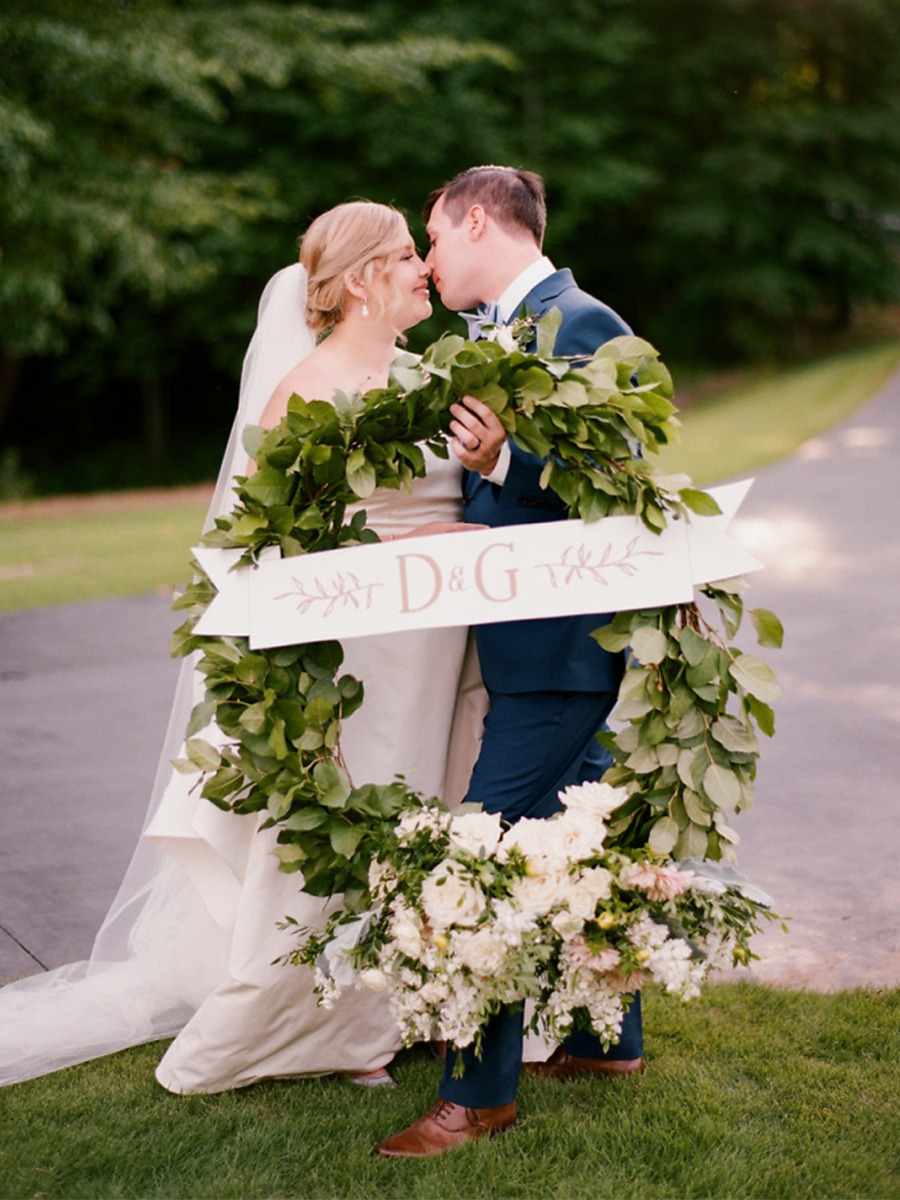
x: 541, y: 297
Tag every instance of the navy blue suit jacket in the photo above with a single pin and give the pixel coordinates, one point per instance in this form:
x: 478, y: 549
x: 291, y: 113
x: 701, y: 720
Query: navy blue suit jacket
x: 552, y: 654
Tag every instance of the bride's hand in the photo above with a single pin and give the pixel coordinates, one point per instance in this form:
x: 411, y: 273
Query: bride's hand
x: 432, y: 527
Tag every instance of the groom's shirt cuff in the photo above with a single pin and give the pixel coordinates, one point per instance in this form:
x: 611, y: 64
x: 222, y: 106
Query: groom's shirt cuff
x: 501, y: 467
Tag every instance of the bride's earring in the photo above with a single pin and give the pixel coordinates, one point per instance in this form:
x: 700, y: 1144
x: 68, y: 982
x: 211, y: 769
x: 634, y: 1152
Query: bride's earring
x: 365, y: 307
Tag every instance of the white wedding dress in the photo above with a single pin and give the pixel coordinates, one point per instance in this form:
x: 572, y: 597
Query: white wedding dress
x: 187, y: 946
x: 262, y: 1020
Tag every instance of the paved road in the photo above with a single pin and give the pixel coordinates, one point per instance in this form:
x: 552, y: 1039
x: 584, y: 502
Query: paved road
x: 85, y: 690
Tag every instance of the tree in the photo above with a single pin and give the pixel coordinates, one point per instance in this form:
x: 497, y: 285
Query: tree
x: 124, y: 185
x: 724, y: 171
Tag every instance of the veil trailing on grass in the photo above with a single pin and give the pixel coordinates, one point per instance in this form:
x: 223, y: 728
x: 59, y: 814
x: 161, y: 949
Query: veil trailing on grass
x: 164, y: 943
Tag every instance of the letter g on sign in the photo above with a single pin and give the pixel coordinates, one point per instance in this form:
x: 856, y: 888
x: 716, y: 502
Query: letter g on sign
x: 482, y: 568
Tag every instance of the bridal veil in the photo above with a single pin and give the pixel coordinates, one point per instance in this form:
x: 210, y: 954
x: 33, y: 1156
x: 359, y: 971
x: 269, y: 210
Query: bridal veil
x: 160, y: 950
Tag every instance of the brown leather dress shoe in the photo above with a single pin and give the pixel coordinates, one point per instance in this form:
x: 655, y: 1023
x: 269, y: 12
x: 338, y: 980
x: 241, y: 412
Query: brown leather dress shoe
x: 444, y: 1126
x: 561, y: 1065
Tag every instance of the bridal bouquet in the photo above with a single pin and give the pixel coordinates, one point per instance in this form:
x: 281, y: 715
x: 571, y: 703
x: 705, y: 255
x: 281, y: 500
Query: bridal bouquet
x: 469, y: 916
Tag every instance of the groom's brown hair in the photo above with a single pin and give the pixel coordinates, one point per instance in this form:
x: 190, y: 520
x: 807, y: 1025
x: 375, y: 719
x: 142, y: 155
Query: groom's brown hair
x: 514, y: 198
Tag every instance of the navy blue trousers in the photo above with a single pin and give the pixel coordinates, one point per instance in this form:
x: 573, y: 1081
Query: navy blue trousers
x: 535, y: 744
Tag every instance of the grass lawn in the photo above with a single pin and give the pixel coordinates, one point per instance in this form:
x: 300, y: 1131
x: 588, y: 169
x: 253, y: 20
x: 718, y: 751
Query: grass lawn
x: 772, y: 412
x: 749, y: 1092
x: 64, y: 550
x: 86, y: 548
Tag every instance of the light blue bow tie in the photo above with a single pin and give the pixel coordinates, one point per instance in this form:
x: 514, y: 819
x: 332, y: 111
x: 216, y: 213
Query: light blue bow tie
x: 484, y: 314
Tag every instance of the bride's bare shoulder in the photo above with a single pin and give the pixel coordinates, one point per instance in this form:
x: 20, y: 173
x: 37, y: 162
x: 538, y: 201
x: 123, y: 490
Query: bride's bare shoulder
x: 308, y: 379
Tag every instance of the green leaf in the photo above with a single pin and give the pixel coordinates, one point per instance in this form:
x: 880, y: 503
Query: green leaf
x: 704, y: 672
x: 722, y: 787
x: 724, y: 830
x: 733, y: 735
x: 731, y: 609
x: 277, y: 805
x: 690, y: 765
x: 361, y: 475
x: 534, y: 384
x: 755, y: 677
x: 546, y: 332
x: 493, y: 396
x: 633, y: 699
x: 649, y: 644
x: 611, y: 639
x: 307, y: 819
x: 333, y: 783
x: 289, y: 857
x: 643, y: 761
x: 184, y: 766
x: 254, y: 717
x: 699, y: 502
x: 346, y: 839
x: 695, y: 808
x: 769, y: 630
x: 202, y: 714
x: 202, y: 754
x: 663, y: 835
x: 694, y: 646
x: 251, y: 439
x: 268, y: 487
x: 691, y: 843
x: 311, y: 739
x: 571, y: 393
x: 763, y: 715
x: 225, y: 782
x: 277, y: 740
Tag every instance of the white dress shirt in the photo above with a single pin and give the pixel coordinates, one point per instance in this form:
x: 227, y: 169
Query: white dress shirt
x: 507, y: 307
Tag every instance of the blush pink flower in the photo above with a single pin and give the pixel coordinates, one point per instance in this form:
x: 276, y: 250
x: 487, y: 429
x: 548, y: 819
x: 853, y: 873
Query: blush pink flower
x: 580, y: 953
x: 632, y: 982
x: 659, y: 883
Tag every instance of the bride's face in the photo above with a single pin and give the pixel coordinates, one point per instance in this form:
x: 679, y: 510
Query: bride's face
x: 407, y: 299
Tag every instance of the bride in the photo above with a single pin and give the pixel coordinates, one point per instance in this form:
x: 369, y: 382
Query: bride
x: 188, y: 944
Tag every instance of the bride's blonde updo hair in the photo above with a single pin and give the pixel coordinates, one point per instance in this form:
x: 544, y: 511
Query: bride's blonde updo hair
x: 360, y: 237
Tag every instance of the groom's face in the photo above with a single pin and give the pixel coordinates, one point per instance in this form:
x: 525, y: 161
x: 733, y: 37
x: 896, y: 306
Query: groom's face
x: 453, y: 260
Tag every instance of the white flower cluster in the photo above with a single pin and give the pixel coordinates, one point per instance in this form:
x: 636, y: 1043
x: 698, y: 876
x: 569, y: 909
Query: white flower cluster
x: 474, y: 916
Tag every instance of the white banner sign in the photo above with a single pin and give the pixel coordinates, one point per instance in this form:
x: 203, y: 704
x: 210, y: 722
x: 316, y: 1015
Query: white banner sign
x: 516, y: 572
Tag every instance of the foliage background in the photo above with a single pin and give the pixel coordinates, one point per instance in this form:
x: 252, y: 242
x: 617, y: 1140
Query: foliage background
x: 723, y: 172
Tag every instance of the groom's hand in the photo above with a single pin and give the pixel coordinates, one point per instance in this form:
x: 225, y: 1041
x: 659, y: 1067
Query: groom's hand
x: 477, y: 435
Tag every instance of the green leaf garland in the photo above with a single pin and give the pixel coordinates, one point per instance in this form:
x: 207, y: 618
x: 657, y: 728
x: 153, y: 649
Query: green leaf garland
x: 690, y: 702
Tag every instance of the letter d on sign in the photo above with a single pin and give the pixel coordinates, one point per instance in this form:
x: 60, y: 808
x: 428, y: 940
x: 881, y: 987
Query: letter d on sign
x: 435, y: 581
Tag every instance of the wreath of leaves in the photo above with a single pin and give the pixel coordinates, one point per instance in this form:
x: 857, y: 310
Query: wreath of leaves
x: 691, y: 701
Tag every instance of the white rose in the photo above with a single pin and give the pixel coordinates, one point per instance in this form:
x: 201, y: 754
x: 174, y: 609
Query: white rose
x: 505, y: 339
x: 434, y: 991
x: 597, y: 799
x: 586, y: 888
x: 431, y: 820
x: 449, y: 896
x: 579, y: 833
x: 567, y: 924
x: 475, y: 832
x: 538, y: 893
x: 481, y: 951
x: 374, y: 979
x: 528, y: 835
x: 407, y: 930
x: 510, y: 922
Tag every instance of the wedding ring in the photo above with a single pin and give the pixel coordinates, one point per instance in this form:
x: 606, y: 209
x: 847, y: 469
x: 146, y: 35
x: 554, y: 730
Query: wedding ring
x: 477, y: 445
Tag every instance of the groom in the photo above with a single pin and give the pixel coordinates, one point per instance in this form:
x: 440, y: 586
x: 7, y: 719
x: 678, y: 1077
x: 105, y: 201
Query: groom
x: 551, y: 687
